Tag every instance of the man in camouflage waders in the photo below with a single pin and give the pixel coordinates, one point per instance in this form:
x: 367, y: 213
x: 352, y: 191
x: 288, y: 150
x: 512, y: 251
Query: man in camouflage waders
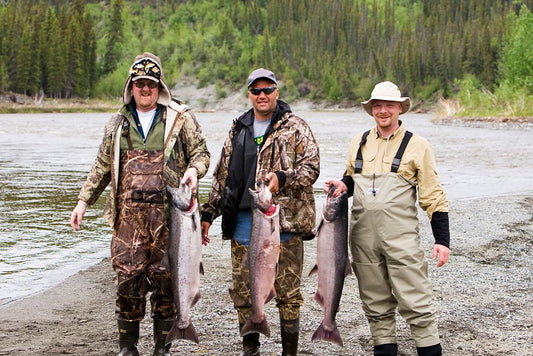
x: 385, y: 166
x: 153, y: 141
x: 269, y: 143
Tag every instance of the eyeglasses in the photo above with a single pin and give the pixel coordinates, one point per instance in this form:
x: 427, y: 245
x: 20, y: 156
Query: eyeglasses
x: 150, y: 84
x: 257, y: 91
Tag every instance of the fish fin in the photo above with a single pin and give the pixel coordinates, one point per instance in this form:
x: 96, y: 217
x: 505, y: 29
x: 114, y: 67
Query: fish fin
x: 272, y: 226
x: 175, y: 333
x: 319, y: 299
x: 348, y: 269
x: 314, y: 270
x: 201, y: 268
x: 319, y: 226
x: 194, y: 223
x: 322, y: 334
x: 251, y: 327
x: 271, y: 295
x: 196, y: 298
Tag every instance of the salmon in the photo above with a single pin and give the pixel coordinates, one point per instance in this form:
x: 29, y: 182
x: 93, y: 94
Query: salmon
x: 332, y: 264
x: 262, y: 257
x: 185, y: 259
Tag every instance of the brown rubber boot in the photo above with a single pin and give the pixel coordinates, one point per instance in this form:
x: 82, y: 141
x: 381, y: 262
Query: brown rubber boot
x: 250, y: 344
x: 161, y: 329
x: 290, y: 332
x: 128, y: 337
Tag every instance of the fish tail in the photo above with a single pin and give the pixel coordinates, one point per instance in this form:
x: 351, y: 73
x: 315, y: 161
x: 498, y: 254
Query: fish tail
x: 322, y: 334
x: 261, y: 327
x: 175, y: 333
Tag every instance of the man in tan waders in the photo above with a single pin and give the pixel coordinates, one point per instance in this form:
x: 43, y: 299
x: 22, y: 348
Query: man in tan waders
x: 153, y: 141
x: 385, y: 166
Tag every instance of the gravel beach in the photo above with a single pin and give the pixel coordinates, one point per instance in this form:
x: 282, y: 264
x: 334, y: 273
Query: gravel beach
x: 484, y: 295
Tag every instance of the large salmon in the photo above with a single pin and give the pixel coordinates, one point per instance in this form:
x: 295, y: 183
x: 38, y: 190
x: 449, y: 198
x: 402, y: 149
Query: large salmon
x: 185, y: 258
x: 332, y: 264
x: 263, y: 254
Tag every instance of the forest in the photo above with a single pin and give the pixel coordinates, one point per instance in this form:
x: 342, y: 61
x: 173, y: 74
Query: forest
x: 479, y: 52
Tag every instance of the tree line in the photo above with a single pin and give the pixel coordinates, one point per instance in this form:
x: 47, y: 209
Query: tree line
x: 326, y: 50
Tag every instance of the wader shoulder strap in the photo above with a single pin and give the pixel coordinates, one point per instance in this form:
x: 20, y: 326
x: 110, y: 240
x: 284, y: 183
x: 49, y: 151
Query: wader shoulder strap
x: 174, y: 111
x: 126, y: 133
x: 401, y: 150
x: 359, y: 157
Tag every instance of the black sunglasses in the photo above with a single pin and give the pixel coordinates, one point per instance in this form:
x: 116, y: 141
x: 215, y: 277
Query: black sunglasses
x: 257, y: 91
x: 151, y: 84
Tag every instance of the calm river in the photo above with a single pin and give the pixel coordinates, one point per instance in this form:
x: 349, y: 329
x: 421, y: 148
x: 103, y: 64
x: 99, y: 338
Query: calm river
x: 44, y: 159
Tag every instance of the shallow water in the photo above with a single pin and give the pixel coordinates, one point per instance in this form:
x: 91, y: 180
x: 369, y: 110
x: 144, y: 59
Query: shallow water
x: 44, y: 159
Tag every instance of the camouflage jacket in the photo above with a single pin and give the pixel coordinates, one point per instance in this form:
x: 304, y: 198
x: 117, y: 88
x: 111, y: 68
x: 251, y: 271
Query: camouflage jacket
x: 184, y: 148
x: 290, y: 149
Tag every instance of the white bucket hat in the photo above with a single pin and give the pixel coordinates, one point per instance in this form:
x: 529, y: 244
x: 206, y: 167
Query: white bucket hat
x: 147, y: 66
x: 387, y: 91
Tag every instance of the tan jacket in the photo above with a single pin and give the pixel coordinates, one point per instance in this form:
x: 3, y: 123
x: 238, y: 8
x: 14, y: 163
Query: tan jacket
x: 417, y: 165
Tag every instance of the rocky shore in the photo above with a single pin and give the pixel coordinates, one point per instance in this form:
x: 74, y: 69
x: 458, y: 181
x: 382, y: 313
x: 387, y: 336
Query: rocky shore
x: 483, y: 294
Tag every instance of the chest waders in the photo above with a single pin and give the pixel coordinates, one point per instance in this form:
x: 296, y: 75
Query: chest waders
x: 140, y: 236
x: 385, y: 244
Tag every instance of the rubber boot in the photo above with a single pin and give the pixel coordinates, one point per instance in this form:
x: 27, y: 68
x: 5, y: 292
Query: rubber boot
x: 250, y: 344
x: 290, y: 332
x: 435, y: 350
x: 161, y: 329
x: 386, y: 350
x: 128, y: 337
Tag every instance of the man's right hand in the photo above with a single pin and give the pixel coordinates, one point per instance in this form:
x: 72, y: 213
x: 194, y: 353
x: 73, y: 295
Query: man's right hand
x: 77, y: 214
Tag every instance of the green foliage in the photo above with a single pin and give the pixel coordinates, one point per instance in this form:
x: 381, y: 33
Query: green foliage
x: 327, y: 50
x: 516, y: 67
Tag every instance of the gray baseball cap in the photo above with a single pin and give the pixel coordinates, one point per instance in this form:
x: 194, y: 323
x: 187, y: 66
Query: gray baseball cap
x: 261, y: 73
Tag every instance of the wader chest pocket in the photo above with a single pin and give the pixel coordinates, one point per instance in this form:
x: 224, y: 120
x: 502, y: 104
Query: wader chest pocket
x: 147, y: 196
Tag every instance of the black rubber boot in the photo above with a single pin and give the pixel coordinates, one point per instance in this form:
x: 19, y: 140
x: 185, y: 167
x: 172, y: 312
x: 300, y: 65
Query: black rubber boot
x: 386, y: 350
x: 128, y: 337
x: 161, y: 329
x: 435, y: 350
x: 290, y: 332
x: 250, y: 344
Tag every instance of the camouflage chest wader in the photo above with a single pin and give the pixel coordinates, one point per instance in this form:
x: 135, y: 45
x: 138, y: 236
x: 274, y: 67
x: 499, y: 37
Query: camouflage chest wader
x: 140, y: 237
x: 390, y: 266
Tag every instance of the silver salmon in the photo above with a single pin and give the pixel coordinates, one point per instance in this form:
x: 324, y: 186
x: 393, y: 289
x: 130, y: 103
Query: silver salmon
x: 332, y: 264
x: 185, y: 259
x: 263, y: 255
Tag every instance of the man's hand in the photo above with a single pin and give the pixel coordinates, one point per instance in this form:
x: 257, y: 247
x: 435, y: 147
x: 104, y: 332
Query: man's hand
x: 205, y: 233
x: 272, y: 180
x: 339, y: 187
x: 442, y: 253
x: 190, y: 177
x: 77, y: 214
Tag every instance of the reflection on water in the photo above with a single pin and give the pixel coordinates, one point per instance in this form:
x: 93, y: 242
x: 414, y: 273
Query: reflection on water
x: 44, y: 159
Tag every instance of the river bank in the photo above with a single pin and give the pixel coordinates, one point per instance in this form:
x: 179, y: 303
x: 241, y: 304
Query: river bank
x: 483, y: 294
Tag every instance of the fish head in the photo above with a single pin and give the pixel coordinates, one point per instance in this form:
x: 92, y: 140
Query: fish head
x: 261, y: 197
x: 181, y: 197
x: 335, y: 207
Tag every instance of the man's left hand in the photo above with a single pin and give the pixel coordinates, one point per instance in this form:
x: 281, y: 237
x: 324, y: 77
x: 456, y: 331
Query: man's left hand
x: 273, y: 183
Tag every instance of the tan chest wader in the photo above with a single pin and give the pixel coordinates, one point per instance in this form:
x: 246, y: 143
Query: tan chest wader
x: 390, y: 266
x: 140, y: 236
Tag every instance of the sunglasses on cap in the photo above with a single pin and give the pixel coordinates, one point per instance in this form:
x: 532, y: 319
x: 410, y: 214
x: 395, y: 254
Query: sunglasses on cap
x: 267, y: 90
x: 145, y: 67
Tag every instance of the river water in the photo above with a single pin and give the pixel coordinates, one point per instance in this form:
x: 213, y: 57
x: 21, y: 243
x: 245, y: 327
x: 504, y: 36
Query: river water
x: 44, y: 159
